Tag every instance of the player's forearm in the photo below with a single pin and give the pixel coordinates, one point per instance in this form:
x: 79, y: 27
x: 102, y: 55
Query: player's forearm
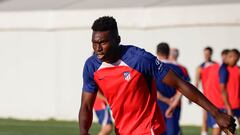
x: 190, y: 92
x: 225, y: 97
x: 162, y: 98
x: 197, y: 78
x: 177, y: 99
x: 85, y: 120
x: 196, y: 96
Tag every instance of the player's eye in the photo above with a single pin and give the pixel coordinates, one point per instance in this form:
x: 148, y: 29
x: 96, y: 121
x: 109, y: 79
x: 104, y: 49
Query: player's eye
x: 103, y: 43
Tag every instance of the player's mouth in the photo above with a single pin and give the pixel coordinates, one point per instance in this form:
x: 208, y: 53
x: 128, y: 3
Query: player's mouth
x: 100, y: 55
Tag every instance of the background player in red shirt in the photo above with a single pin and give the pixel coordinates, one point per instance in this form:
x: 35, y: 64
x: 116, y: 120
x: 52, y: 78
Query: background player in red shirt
x: 103, y: 114
x: 202, y: 76
x: 124, y: 75
x: 224, y: 85
x: 173, y: 57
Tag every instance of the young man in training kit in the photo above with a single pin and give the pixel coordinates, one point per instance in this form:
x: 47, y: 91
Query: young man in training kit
x: 202, y: 75
x: 224, y: 85
x: 126, y: 76
x: 103, y: 114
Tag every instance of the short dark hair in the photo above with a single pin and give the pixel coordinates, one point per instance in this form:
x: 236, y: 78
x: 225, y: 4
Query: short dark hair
x: 225, y: 51
x: 105, y: 23
x: 236, y: 52
x: 209, y: 49
x: 163, y: 49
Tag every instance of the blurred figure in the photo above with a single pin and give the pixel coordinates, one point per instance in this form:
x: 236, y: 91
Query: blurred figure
x: 226, y: 95
x: 104, y: 116
x: 224, y: 54
x: 173, y: 57
x: 223, y: 79
x: 232, y: 82
x: 202, y: 76
x: 167, y: 96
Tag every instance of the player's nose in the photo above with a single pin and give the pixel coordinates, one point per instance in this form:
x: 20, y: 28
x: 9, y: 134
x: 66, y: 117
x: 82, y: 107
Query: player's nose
x: 98, y: 47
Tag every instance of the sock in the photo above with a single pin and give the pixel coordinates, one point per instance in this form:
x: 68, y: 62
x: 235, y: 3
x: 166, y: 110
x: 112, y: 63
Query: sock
x: 204, y: 133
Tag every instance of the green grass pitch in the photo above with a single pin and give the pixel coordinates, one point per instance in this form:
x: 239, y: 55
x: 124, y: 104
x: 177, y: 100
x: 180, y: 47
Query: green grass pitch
x: 52, y: 127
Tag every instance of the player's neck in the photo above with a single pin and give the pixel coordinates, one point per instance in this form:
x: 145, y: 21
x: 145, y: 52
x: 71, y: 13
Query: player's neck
x: 209, y: 60
x: 162, y: 57
x: 114, y: 57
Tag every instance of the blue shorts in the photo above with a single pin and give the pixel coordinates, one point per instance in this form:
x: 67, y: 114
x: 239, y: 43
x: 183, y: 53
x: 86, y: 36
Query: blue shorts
x: 104, y: 116
x: 172, y: 124
x: 211, y: 122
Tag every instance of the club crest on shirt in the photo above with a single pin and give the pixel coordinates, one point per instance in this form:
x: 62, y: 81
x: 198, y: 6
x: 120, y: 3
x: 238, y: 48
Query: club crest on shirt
x: 127, y: 76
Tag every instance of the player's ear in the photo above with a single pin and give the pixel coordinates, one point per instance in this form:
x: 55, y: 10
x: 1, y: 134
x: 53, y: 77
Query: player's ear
x: 118, y: 39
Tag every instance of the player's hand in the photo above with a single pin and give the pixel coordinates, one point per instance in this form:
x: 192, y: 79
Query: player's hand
x: 169, y: 101
x: 226, y: 122
x: 169, y: 112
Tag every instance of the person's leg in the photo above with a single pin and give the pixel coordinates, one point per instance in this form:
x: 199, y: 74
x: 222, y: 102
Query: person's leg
x: 106, y: 129
x: 216, y: 131
x: 106, y: 122
x: 204, y: 130
x: 176, y: 121
x: 211, y: 123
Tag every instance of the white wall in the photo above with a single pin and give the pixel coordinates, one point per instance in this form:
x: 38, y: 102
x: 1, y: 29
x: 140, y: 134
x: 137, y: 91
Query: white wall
x: 42, y: 54
x: 40, y: 72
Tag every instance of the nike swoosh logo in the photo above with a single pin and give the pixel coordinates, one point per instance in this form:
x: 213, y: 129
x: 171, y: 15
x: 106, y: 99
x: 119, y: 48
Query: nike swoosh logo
x: 100, y: 78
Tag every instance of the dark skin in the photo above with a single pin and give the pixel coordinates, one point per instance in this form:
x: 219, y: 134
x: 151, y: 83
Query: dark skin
x: 105, y: 46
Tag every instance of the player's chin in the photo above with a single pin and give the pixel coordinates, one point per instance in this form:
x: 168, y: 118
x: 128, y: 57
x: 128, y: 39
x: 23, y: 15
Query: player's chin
x: 100, y: 56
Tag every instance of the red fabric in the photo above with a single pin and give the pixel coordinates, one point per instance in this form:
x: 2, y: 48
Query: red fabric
x: 213, y: 86
x: 233, y: 86
x: 184, y: 70
x: 204, y: 77
x: 99, y: 104
x: 138, y: 113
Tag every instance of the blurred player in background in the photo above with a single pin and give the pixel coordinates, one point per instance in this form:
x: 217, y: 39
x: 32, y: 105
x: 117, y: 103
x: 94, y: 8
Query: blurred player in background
x: 103, y: 114
x: 202, y: 76
x: 167, y: 96
x: 224, y: 85
x: 173, y: 57
x: 232, y: 82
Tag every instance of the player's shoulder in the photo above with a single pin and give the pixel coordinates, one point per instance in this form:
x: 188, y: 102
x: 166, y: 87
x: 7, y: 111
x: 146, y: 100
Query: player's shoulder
x: 202, y: 65
x: 223, y: 66
x: 134, y: 51
x: 92, y: 62
x: 176, y: 68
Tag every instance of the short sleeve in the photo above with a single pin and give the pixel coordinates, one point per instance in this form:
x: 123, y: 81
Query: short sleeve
x: 89, y: 84
x: 223, y: 75
x: 153, y: 67
x: 159, y: 69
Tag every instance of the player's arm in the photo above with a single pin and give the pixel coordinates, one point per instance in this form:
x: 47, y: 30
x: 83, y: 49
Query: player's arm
x: 86, y: 112
x: 163, y: 98
x: 175, y: 102
x: 197, y: 76
x: 224, y: 121
x: 225, y: 98
x: 223, y: 77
